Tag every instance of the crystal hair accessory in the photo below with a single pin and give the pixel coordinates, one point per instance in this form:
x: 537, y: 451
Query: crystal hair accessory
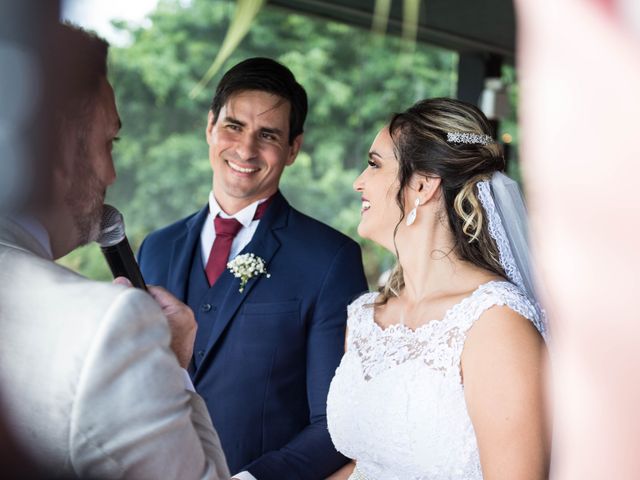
x: 468, y: 138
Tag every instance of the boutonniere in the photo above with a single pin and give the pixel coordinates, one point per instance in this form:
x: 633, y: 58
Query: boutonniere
x: 247, y: 266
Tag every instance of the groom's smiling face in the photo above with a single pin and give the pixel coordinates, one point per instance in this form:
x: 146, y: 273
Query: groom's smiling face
x: 249, y: 148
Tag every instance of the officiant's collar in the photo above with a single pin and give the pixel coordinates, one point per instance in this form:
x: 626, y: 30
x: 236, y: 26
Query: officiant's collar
x: 36, y: 230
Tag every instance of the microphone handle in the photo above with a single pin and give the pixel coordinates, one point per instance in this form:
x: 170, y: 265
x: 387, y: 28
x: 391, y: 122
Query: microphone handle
x: 122, y: 263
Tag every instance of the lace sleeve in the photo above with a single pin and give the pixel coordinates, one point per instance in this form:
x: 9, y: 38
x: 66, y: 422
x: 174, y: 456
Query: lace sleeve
x: 356, y: 315
x: 500, y: 294
x: 465, y: 314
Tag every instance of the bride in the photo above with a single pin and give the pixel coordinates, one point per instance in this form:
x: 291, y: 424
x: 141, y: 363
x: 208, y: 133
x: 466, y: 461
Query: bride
x: 442, y: 374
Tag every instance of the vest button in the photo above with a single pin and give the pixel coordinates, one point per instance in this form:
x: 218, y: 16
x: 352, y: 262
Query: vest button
x: 205, y: 307
x: 201, y: 353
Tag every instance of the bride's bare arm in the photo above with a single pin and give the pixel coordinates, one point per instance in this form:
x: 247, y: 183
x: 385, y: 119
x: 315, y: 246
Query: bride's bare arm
x: 343, y: 473
x: 502, y: 367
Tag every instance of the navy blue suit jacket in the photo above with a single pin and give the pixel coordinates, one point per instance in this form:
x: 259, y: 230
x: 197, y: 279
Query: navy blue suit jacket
x: 272, y: 349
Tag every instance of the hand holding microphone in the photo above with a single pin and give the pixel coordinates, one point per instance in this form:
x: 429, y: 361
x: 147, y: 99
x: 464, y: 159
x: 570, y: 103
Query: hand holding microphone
x: 117, y: 251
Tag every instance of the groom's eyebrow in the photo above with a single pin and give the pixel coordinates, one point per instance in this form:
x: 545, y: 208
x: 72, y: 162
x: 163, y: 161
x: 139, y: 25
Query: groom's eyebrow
x: 271, y: 130
x: 234, y: 121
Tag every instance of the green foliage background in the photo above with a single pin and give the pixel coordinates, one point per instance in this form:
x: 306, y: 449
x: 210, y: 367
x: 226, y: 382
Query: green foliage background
x: 354, y: 79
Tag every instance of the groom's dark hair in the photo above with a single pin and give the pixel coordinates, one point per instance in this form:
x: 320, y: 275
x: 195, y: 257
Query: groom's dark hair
x: 265, y: 75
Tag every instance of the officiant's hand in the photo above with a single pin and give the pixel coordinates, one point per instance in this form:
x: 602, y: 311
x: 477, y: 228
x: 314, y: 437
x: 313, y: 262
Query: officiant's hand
x: 181, y: 322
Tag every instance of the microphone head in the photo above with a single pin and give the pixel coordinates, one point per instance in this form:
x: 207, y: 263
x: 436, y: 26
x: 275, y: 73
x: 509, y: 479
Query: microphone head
x: 111, y: 227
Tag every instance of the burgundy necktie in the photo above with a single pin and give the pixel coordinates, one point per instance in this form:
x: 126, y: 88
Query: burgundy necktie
x: 226, y: 230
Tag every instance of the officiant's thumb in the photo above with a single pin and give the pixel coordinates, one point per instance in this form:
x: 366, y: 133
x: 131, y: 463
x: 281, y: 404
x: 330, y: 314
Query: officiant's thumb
x: 122, y: 281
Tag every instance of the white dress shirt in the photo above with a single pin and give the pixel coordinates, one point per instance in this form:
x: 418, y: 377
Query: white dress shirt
x: 244, y: 476
x: 244, y: 236
x: 242, y: 239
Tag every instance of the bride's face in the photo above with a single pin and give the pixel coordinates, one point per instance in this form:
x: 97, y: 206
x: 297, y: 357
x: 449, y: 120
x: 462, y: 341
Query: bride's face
x: 378, y: 184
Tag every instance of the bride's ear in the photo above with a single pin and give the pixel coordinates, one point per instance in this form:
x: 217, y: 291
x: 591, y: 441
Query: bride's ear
x: 427, y: 187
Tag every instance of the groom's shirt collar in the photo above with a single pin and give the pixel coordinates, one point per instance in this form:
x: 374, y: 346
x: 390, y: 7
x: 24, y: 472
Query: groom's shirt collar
x: 244, y: 216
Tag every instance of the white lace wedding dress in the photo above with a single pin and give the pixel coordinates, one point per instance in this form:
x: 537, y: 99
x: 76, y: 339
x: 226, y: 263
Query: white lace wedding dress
x: 396, y: 403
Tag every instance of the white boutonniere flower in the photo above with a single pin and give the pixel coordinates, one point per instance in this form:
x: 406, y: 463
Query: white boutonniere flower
x: 247, y: 266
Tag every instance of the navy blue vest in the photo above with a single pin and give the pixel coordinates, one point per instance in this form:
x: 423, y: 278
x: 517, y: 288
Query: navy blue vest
x: 205, y: 302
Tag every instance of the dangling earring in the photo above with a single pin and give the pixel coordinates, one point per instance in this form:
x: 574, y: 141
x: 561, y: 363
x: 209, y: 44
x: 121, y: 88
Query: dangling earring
x: 413, y: 213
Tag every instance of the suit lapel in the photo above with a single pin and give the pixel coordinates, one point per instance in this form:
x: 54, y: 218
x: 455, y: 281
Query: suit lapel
x: 182, y: 253
x: 264, y: 244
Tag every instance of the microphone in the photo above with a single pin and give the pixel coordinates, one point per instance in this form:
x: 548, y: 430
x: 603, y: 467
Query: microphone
x: 115, y: 247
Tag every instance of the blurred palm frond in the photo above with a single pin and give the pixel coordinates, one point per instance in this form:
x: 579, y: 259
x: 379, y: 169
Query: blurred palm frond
x: 246, y: 11
x: 381, y: 16
x: 410, y: 14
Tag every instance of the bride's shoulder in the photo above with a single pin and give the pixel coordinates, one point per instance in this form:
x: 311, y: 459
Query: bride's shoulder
x: 502, y: 302
x: 358, y: 310
x: 504, y: 293
x: 366, y: 300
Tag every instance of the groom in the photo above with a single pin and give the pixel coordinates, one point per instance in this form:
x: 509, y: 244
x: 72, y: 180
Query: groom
x: 264, y: 354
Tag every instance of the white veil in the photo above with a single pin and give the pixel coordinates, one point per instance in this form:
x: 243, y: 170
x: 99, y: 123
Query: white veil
x: 507, y: 220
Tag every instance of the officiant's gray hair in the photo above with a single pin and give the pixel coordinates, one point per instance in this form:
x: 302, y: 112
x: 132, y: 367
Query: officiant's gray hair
x: 452, y: 140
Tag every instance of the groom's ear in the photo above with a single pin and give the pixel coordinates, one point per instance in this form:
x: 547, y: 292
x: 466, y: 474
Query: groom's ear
x: 294, y: 149
x: 209, y: 129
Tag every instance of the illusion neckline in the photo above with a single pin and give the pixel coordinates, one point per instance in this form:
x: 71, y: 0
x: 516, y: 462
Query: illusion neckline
x: 450, y: 311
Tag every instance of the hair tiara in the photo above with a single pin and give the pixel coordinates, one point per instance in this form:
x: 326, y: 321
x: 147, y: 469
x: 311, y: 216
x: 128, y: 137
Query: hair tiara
x: 469, y: 138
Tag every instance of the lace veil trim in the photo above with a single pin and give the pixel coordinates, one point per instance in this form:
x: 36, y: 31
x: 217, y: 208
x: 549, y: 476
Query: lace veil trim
x: 507, y: 223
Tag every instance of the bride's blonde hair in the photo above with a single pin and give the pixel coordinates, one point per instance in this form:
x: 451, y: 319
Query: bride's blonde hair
x: 420, y: 137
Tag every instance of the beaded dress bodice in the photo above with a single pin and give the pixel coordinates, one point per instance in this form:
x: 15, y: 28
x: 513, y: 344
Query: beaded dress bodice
x: 396, y: 403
